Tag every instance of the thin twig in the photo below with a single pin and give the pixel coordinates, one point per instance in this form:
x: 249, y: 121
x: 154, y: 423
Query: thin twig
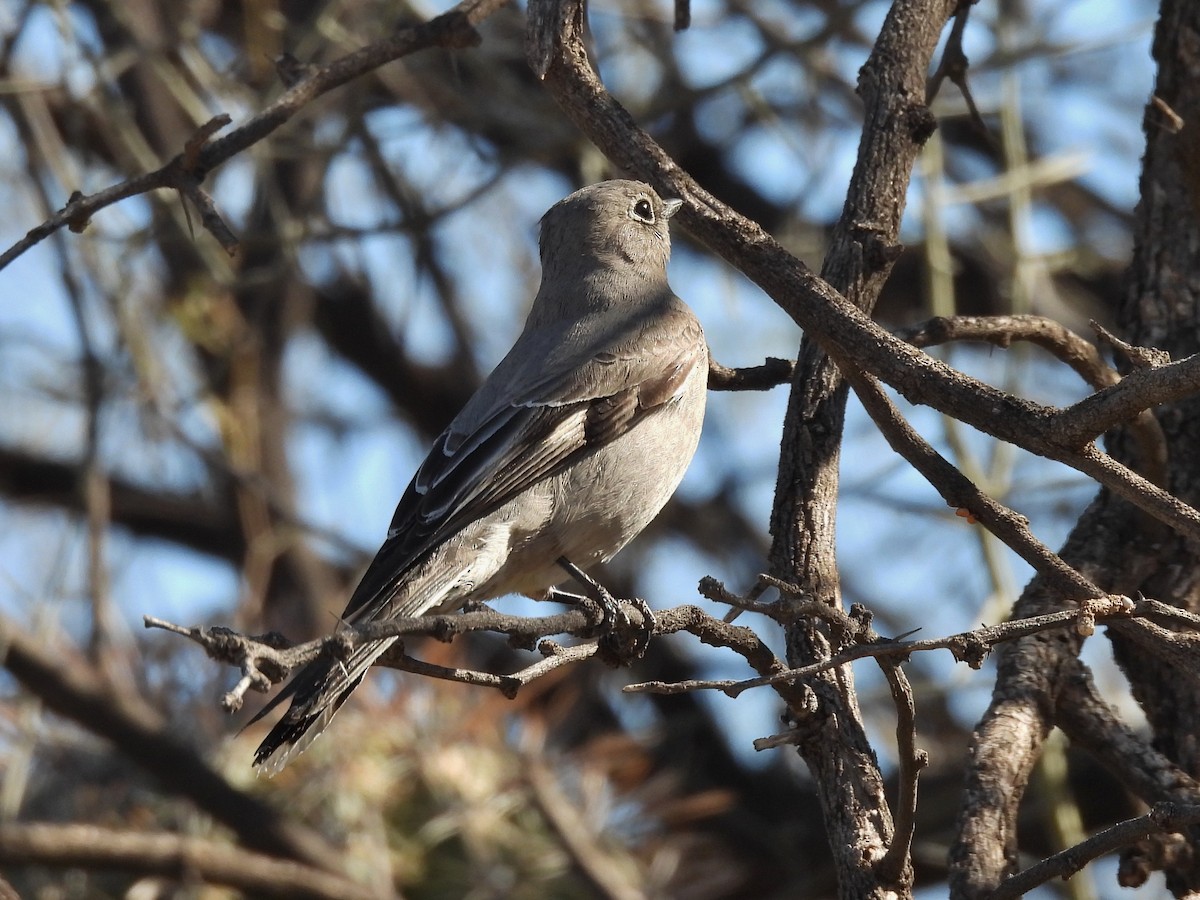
x: 954, y: 65
x: 1002, y: 331
x: 970, y: 647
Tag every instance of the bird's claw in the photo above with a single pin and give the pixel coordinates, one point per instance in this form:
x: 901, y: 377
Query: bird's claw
x: 629, y: 640
x: 622, y: 640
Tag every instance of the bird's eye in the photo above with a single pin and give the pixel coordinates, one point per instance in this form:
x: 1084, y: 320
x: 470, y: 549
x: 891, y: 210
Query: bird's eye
x: 643, y: 211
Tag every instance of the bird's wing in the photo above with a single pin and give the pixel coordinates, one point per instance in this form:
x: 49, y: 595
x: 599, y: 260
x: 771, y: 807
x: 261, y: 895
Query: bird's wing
x: 567, y: 405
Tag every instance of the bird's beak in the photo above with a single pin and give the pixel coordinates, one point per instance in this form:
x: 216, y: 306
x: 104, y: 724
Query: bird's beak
x: 670, y: 207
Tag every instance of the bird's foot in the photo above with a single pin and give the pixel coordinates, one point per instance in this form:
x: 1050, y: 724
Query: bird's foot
x: 622, y: 639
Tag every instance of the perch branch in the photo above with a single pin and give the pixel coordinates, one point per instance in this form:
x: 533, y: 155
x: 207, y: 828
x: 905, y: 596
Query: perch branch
x: 266, y: 660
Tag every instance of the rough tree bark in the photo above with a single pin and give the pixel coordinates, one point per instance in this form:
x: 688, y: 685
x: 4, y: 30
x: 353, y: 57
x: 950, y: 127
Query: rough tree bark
x: 1162, y: 310
x: 865, y: 243
x: 1115, y: 545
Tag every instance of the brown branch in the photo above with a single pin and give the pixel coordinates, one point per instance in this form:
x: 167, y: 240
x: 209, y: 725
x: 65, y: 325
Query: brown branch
x: 1180, y: 651
x: 454, y: 29
x: 1139, y: 390
x: 1092, y: 725
x: 845, y: 332
x: 954, y: 66
x: 741, y: 640
x: 266, y: 660
x: 771, y: 373
x: 77, y: 691
x: 1002, y: 331
x: 189, y: 187
x: 1137, y: 357
x: 895, y: 868
x: 1139, y: 491
x: 1080, y: 354
x: 396, y: 658
x: 970, y: 647
x: 1163, y: 818
x: 172, y: 856
x: 554, y: 655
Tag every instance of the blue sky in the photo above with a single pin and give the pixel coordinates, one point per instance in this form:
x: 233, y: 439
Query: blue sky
x: 891, y: 524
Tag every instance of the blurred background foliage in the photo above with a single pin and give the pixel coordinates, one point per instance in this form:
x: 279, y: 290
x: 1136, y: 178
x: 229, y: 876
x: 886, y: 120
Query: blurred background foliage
x: 206, y: 438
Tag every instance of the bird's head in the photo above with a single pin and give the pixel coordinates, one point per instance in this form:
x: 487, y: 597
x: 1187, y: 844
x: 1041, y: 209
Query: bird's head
x: 621, y: 224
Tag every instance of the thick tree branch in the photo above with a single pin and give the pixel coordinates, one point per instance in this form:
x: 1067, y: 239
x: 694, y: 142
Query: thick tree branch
x: 1094, y: 726
x: 172, y: 856
x: 1081, y: 355
x: 844, y: 331
x: 1163, y: 818
x: 81, y: 693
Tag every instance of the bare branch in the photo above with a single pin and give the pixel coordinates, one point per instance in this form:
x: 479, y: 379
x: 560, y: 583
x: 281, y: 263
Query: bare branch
x: 1137, y: 391
x: 970, y: 647
x: 954, y: 66
x: 265, y: 660
x: 80, y: 692
x: 895, y: 868
x: 452, y: 29
x: 1081, y: 355
x: 771, y: 373
x: 1164, y: 817
x: 1092, y: 725
x: 1137, y: 357
x: 1002, y: 331
x: 172, y: 856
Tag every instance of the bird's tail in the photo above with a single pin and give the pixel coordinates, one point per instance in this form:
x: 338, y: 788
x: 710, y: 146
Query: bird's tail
x: 318, y: 691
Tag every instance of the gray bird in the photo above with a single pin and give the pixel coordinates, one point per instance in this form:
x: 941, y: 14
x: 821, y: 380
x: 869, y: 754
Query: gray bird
x: 568, y: 450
